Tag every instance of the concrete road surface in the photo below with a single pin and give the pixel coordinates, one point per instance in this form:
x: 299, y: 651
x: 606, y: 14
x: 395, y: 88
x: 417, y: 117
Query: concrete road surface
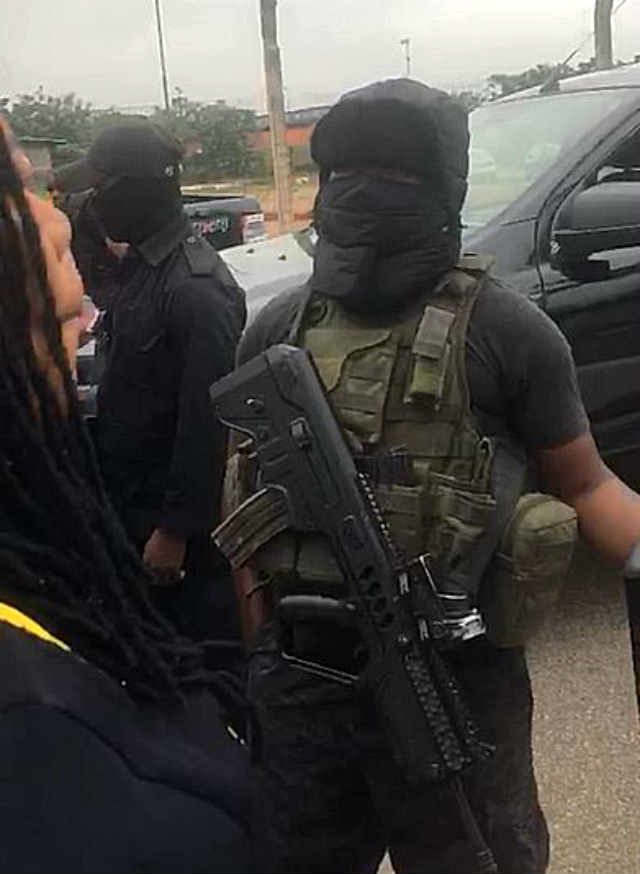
x: 586, y: 727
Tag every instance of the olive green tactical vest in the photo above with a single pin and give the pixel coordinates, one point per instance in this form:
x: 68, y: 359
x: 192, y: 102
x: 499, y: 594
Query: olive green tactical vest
x: 405, y: 386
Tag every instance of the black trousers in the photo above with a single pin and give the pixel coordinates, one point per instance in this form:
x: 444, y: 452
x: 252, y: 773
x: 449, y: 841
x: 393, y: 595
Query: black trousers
x: 203, y: 606
x: 328, y: 796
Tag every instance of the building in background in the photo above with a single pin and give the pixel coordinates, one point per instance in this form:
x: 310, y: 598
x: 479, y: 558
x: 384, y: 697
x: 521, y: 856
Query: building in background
x: 38, y: 151
x: 300, y: 125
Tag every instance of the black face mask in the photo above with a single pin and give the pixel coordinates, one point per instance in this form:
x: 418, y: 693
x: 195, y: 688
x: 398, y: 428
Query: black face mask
x: 381, y: 240
x: 133, y: 210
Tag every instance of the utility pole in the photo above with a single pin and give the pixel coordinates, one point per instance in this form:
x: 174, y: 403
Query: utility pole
x: 163, y: 60
x: 275, y: 106
x: 602, y: 31
x: 406, y: 43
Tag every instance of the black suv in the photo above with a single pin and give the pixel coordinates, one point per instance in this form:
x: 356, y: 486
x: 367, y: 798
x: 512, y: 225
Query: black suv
x: 554, y: 193
x: 225, y: 220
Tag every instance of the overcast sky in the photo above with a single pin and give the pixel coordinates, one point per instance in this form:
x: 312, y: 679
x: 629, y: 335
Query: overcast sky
x: 106, y: 50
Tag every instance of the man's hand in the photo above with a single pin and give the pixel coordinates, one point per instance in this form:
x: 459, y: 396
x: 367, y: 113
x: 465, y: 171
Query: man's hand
x: 165, y: 555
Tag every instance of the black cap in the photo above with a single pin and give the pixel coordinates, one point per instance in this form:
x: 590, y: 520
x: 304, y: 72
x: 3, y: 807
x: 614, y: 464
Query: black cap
x: 135, y: 149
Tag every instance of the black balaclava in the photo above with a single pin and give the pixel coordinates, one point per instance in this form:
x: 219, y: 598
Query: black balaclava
x: 136, y: 170
x: 132, y: 210
x: 393, y: 158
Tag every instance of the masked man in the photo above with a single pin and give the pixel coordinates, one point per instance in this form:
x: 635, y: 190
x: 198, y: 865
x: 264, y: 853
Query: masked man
x: 421, y: 349
x: 171, y: 330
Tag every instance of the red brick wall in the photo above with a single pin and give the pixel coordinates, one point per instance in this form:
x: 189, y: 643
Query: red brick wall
x: 296, y: 136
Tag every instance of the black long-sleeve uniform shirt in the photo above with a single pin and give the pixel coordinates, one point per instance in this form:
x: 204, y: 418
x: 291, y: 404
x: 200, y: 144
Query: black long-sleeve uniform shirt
x: 94, y: 782
x: 171, y: 331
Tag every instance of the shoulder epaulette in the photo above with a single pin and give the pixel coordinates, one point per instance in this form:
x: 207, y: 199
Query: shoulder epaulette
x: 201, y: 256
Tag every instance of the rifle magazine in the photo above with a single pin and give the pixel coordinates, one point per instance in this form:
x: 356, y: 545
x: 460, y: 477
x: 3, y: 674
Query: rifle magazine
x: 257, y: 521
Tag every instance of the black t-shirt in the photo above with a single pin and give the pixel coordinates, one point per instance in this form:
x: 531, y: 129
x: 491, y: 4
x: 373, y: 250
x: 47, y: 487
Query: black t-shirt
x: 521, y: 375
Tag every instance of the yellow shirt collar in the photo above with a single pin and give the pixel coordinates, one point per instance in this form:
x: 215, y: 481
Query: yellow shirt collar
x: 20, y: 620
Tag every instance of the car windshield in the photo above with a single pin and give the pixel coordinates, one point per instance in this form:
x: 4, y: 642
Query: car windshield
x: 513, y: 143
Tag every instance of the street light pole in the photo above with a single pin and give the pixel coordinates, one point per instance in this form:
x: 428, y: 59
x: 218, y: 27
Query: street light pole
x: 406, y: 42
x: 163, y: 60
x: 603, y: 35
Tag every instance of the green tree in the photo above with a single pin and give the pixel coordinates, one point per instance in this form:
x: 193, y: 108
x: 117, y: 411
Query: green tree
x: 215, y: 137
x: 102, y: 118
x: 501, y: 84
x: 469, y: 99
x: 43, y: 115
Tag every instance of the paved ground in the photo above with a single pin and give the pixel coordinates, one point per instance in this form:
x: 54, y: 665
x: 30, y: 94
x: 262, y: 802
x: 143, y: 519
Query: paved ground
x: 586, y: 729
x: 587, y: 726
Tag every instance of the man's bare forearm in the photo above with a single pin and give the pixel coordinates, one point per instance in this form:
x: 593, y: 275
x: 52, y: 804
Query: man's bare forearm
x: 609, y: 518
x: 608, y: 511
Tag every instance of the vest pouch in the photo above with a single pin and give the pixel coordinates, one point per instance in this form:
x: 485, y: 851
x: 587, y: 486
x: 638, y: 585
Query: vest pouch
x: 402, y: 508
x: 431, y: 357
x: 457, y: 516
x: 526, y: 576
x: 355, y: 365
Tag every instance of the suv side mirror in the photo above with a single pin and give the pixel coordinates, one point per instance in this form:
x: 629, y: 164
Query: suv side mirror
x: 599, y: 219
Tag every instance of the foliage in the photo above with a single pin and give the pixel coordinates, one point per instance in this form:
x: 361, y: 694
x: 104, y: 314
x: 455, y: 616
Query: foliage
x: 66, y: 118
x: 215, y: 137
x: 469, y: 99
x: 103, y: 118
x: 501, y: 84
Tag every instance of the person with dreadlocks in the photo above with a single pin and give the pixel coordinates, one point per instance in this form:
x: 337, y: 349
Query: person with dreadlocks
x: 115, y: 751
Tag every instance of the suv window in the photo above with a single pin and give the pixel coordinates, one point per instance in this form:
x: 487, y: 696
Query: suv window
x: 515, y: 142
x: 624, y: 164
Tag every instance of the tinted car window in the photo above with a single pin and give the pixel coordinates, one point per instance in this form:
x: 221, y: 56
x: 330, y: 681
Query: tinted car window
x: 513, y: 143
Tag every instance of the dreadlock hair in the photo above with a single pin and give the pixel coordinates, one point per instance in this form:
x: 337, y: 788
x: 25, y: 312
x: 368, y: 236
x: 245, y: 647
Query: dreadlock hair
x: 64, y: 558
